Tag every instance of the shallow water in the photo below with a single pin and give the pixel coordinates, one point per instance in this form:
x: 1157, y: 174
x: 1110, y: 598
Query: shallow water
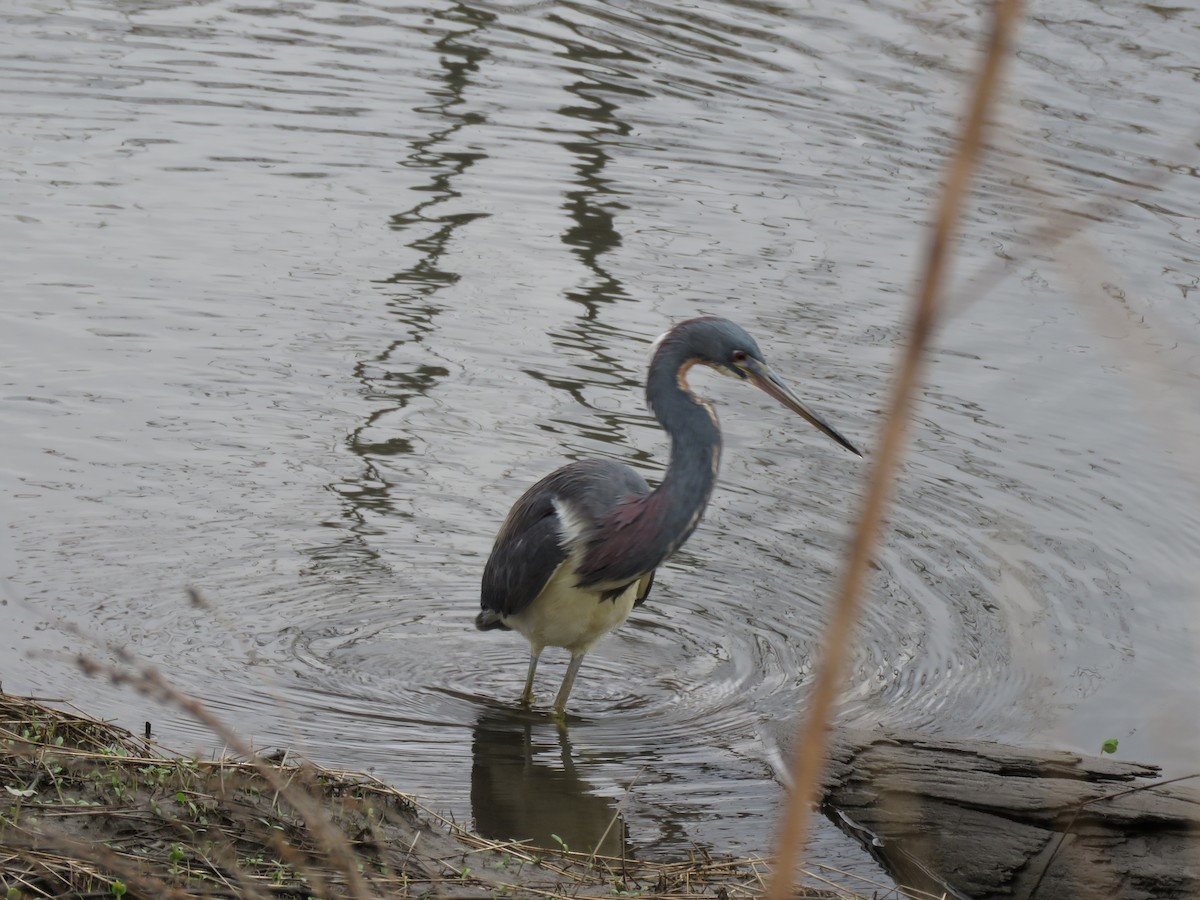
x: 301, y: 296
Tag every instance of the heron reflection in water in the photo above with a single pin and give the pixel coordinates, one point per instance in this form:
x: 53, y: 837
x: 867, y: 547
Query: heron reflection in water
x: 527, y: 786
x: 578, y: 550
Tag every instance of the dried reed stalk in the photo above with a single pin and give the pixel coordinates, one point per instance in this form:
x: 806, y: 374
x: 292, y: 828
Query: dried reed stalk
x: 150, y: 681
x: 810, y: 746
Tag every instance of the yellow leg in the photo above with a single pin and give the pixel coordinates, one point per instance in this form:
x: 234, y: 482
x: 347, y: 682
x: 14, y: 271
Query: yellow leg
x: 560, y: 702
x: 527, y: 697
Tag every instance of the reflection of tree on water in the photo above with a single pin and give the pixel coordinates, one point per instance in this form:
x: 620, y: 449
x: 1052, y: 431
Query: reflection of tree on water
x: 388, y: 380
x: 522, y: 790
x: 593, y: 203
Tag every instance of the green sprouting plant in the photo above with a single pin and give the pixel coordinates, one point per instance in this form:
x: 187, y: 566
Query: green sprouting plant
x: 175, y: 857
x: 1109, y: 746
x: 197, y: 813
x: 561, y: 843
x: 156, y: 775
x: 186, y: 770
x: 118, y: 889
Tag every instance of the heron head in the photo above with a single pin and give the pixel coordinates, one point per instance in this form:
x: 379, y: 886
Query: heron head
x: 726, y: 347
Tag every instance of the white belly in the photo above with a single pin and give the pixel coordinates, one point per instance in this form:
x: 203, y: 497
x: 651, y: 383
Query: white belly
x: 567, y: 616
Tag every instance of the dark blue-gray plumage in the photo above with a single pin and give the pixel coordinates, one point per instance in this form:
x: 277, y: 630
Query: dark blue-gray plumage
x: 578, y: 550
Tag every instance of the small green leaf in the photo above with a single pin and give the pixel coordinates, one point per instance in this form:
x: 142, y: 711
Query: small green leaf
x: 1109, y: 746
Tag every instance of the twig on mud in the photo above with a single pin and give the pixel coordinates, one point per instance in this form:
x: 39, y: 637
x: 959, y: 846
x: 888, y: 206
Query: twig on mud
x: 149, y: 680
x: 617, y: 813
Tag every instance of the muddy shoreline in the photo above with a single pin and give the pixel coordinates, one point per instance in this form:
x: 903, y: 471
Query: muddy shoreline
x: 92, y: 810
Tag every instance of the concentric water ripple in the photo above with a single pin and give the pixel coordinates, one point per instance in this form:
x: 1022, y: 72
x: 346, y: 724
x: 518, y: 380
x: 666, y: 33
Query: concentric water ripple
x: 300, y: 298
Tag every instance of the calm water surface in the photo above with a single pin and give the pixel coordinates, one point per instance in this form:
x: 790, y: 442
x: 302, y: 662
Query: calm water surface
x: 300, y: 296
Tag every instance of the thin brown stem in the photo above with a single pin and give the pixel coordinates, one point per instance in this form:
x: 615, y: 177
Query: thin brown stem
x: 810, y: 744
x: 148, y: 679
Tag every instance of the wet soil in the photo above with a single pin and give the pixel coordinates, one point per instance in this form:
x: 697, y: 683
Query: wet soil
x: 92, y: 810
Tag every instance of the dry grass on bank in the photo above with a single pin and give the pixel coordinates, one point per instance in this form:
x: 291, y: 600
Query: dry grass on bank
x: 91, y: 810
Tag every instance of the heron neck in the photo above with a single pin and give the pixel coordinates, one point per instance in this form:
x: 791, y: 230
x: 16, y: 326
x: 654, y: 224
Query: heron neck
x: 695, y: 448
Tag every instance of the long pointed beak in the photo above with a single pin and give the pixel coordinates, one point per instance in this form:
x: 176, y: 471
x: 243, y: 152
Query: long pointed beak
x: 762, y: 377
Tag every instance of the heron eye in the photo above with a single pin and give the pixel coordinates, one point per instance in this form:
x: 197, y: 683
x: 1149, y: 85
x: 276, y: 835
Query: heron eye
x: 739, y: 356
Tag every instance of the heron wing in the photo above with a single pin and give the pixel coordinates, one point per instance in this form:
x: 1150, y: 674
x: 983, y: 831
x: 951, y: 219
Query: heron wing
x: 551, y: 519
x: 527, y: 552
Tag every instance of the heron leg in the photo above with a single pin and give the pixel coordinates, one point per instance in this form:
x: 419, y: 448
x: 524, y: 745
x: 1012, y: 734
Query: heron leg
x: 560, y: 702
x: 527, y: 696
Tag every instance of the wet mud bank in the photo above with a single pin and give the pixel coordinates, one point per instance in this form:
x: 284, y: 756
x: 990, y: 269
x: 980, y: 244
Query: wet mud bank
x: 91, y: 810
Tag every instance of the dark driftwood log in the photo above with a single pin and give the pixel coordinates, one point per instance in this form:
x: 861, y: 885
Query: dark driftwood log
x: 978, y: 820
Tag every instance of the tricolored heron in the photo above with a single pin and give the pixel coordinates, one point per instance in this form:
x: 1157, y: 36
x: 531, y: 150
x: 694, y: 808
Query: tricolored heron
x: 578, y: 551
